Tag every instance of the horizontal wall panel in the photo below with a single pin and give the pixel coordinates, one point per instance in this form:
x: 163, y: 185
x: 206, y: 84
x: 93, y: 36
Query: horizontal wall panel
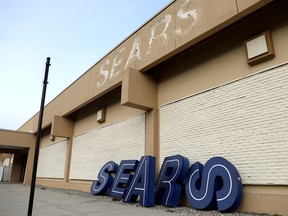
x: 118, y: 141
x: 51, y: 163
x: 245, y: 121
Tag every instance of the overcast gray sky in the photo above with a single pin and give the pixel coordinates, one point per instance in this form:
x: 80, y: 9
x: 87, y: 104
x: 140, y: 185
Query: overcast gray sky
x: 74, y: 33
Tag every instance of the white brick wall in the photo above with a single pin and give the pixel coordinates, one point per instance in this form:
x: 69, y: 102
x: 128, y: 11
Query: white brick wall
x: 245, y: 121
x: 51, y: 163
x: 118, y: 141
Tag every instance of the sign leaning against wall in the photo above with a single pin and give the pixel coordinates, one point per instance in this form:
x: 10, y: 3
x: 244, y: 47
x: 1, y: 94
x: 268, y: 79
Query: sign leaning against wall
x: 215, y: 185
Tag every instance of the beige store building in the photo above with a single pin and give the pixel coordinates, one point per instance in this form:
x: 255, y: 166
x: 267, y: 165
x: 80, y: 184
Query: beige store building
x: 202, y: 78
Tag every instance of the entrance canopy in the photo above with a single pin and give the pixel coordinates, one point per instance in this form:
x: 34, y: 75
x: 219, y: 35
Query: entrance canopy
x: 22, y: 145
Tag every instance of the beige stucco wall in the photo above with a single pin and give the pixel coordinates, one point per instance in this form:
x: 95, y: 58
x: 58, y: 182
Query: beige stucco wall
x: 209, y: 59
x: 213, y: 65
x: 175, y: 28
x: 61, y: 158
x: 85, y: 119
x: 218, y: 61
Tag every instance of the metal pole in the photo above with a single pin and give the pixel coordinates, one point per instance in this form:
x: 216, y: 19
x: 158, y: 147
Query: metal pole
x: 38, y: 139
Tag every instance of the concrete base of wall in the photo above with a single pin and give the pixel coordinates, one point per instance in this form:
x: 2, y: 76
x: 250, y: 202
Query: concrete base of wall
x: 258, y: 199
x: 59, y: 183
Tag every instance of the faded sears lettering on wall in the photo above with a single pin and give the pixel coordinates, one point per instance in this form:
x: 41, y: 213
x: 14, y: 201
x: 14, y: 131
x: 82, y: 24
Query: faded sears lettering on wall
x: 181, y: 24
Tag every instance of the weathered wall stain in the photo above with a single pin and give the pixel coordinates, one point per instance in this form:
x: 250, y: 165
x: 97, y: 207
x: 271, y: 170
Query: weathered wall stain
x: 190, y: 14
x: 166, y: 20
x: 134, y: 53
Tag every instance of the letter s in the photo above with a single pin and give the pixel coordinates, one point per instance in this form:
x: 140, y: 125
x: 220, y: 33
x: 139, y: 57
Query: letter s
x: 217, y: 184
x: 105, y: 179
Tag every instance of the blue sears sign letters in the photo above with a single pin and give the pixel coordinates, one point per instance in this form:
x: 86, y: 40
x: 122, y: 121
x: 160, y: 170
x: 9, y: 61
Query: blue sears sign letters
x: 216, y: 185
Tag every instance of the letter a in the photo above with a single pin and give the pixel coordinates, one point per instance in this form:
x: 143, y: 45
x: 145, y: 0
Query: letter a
x: 142, y: 183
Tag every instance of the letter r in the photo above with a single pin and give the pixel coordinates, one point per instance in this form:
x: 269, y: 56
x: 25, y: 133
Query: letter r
x: 169, y: 182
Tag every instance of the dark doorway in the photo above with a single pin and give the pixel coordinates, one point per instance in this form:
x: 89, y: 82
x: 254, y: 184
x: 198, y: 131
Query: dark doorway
x: 23, y: 167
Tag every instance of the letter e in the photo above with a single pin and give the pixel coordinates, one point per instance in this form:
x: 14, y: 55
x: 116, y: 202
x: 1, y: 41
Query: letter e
x: 123, y: 178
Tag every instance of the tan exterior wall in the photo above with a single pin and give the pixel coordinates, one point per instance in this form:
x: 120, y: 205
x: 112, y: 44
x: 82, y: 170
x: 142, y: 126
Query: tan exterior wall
x: 187, y: 48
x: 84, y: 122
x: 157, y: 40
x: 215, y: 63
x: 85, y: 119
x: 199, y: 70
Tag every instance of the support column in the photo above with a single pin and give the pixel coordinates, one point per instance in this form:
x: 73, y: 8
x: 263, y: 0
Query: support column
x: 29, y: 165
x: 152, y: 135
x: 68, y: 160
x: 140, y: 91
x: 64, y: 127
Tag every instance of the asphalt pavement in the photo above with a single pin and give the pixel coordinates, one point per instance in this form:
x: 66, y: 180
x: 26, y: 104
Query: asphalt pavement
x: 14, y: 199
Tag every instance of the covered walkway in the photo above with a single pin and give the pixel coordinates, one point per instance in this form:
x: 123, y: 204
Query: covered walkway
x: 22, y: 145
